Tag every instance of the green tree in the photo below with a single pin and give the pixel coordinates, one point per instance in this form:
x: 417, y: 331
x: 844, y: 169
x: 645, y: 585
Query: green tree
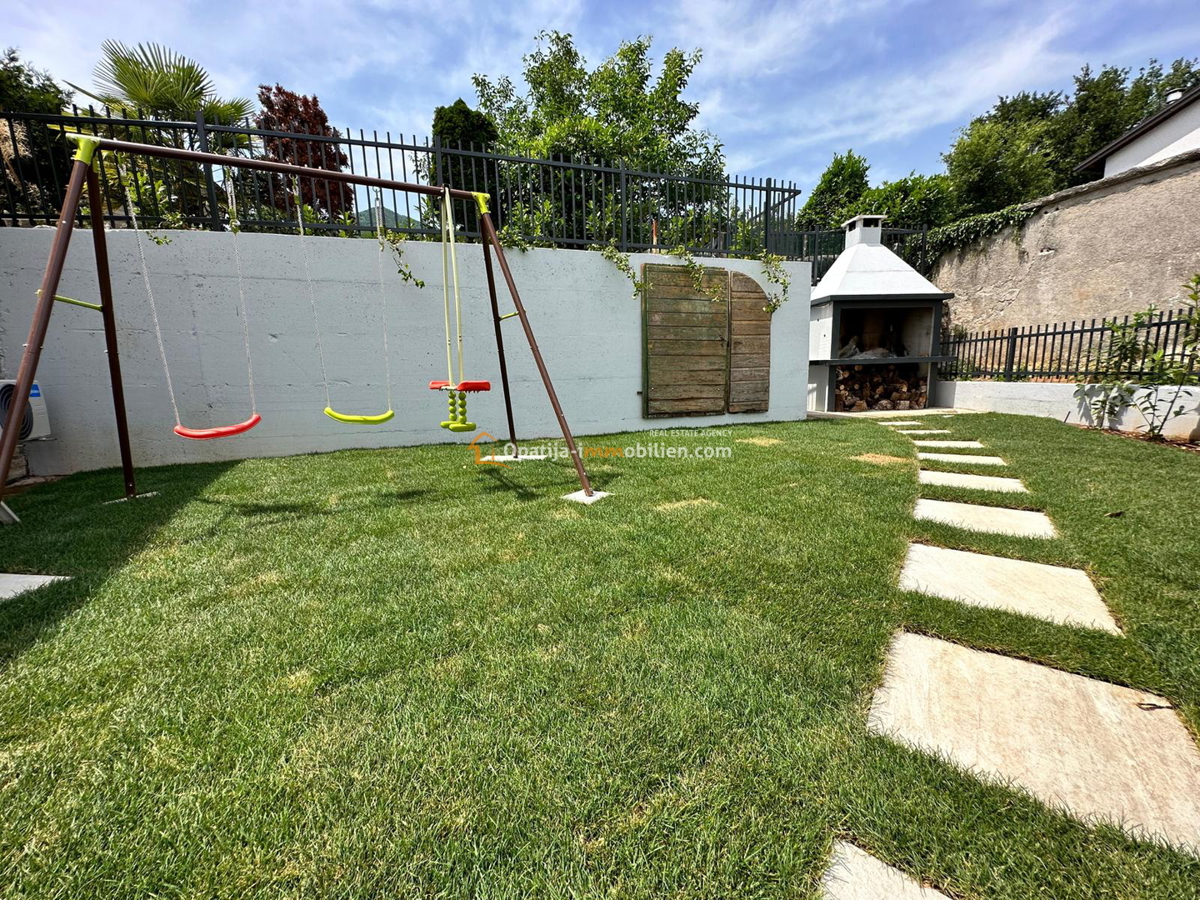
x: 616, y: 111
x: 995, y: 164
x: 457, y: 126
x: 154, y: 80
x: 912, y: 200
x: 30, y: 152
x: 1105, y: 105
x: 1029, y: 145
x: 623, y: 110
x: 464, y: 127
x: 842, y: 184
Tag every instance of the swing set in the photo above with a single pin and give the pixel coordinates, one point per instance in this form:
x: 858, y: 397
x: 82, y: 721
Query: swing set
x: 456, y: 386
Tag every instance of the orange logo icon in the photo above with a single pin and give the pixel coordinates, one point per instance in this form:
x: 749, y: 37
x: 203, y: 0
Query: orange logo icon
x: 480, y: 459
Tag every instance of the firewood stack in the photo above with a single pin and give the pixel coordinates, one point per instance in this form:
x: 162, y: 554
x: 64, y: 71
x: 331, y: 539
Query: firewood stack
x: 890, y: 386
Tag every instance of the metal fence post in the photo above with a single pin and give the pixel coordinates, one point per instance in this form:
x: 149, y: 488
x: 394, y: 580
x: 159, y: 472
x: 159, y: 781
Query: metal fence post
x: 437, y: 161
x: 767, y: 217
x: 1011, y: 356
x: 624, y: 211
x: 211, y: 186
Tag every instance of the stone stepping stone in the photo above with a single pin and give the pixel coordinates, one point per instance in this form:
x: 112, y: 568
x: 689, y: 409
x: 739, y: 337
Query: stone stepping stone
x: 963, y: 458
x: 906, y: 422
x: 854, y: 874
x: 1095, y: 750
x: 978, y: 482
x: 963, y: 445
x: 990, y: 519
x: 925, y: 431
x: 11, y: 585
x: 1054, y: 593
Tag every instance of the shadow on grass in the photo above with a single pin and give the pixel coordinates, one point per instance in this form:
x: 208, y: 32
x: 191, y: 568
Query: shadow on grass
x: 503, y: 481
x: 69, y: 528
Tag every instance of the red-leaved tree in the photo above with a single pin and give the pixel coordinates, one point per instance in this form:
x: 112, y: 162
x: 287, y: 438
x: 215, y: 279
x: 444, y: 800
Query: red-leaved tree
x: 284, y: 110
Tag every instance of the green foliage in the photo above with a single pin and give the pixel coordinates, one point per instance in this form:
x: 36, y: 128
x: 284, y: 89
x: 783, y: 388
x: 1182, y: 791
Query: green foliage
x: 964, y: 231
x: 995, y: 164
x: 1161, y: 375
x: 29, y: 151
x: 26, y: 89
x: 155, y: 80
x: 841, y: 185
x: 775, y: 274
x: 625, y: 111
x: 621, y: 260
x: 1105, y: 105
x: 459, y: 126
x: 912, y: 200
x: 396, y: 241
x: 1029, y: 145
x: 617, y: 111
x: 463, y: 126
x: 696, y: 272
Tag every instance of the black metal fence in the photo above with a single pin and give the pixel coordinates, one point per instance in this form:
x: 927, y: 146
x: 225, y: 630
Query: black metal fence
x: 1067, y: 351
x: 565, y: 201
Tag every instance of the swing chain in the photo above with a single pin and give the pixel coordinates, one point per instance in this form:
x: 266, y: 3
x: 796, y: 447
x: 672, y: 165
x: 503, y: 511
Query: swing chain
x: 131, y: 206
x: 381, y: 232
x: 312, y: 300
x: 235, y: 226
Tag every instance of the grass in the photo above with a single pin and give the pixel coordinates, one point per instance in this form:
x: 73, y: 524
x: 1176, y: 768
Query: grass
x: 393, y: 674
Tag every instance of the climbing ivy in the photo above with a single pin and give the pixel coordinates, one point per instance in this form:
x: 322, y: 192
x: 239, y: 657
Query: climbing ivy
x: 775, y: 274
x: 395, y: 240
x: 964, y: 231
x: 622, y: 261
x: 696, y: 271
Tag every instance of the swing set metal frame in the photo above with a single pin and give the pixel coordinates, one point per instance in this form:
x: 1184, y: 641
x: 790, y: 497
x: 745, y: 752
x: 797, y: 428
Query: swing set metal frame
x: 83, y: 175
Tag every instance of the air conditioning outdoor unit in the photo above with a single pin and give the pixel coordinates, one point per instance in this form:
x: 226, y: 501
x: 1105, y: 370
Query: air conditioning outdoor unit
x: 35, y: 423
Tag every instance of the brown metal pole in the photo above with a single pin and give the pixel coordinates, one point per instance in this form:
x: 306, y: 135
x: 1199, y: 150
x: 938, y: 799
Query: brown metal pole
x: 489, y: 235
x: 100, y: 242
x: 269, y: 165
x: 491, y: 280
x: 41, y: 320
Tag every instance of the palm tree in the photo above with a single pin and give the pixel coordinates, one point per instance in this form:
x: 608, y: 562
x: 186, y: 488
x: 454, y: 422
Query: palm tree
x: 151, y: 79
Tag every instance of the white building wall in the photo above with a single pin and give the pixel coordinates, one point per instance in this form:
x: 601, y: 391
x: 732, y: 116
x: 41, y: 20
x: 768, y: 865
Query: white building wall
x: 587, y: 324
x: 1178, y: 134
x: 1057, y: 401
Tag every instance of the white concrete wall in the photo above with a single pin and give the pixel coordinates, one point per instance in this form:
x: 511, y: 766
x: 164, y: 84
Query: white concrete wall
x: 1178, y: 134
x: 586, y: 322
x: 1057, y: 401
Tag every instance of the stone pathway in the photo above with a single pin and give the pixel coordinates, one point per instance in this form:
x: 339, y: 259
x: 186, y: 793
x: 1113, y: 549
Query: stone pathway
x: 1094, y: 750
x: 1097, y: 751
x: 905, y: 422
x: 1066, y: 596
x: 854, y: 874
x: 11, y: 585
x: 960, y: 445
x: 993, y: 519
x: 975, y: 482
x: 923, y: 431
x: 965, y: 458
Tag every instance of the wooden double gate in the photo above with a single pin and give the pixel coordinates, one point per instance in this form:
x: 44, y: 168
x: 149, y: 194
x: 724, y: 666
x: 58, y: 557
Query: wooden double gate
x: 707, y: 350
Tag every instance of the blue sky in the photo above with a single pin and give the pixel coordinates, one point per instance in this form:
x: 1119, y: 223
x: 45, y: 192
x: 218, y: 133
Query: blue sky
x: 784, y: 85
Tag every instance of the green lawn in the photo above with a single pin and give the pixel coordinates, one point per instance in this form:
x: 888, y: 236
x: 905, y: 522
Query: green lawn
x: 395, y: 674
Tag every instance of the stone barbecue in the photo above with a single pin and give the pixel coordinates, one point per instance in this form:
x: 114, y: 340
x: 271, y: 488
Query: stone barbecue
x: 875, y: 328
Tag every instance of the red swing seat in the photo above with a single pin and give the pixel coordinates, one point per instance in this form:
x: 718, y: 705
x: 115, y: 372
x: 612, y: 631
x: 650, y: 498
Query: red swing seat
x: 205, y: 434
x: 465, y: 386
